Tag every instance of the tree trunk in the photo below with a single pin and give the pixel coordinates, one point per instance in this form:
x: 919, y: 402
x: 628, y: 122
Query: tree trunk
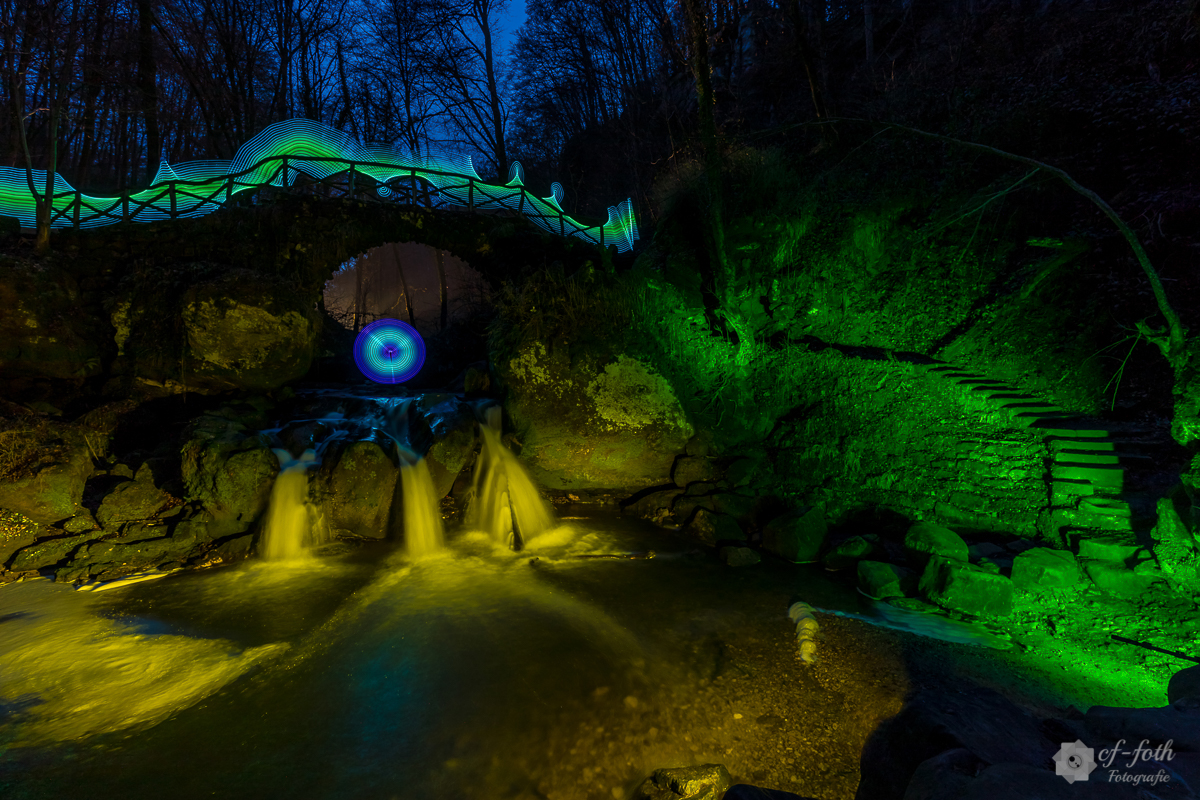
x: 404, y: 288
x: 805, y: 57
x: 501, y: 154
x: 439, y: 258
x: 148, y: 85
x: 723, y: 279
x: 358, y: 295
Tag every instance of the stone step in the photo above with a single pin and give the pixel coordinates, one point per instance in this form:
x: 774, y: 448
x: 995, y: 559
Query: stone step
x: 1085, y: 457
x: 1031, y: 421
x: 1072, y: 519
x: 1061, y: 487
x: 976, y: 381
x: 1110, y: 547
x: 1106, y: 506
x: 1063, y: 443
x: 1032, y: 407
x: 1108, y: 475
x: 1054, y: 428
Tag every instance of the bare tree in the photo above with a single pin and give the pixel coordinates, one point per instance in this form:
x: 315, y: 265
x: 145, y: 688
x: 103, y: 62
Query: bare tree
x: 466, y: 76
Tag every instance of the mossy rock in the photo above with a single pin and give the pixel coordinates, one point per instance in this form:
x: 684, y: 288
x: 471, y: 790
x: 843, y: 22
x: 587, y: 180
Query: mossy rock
x: 925, y: 540
x: 880, y: 580
x: 797, y: 537
x: 960, y: 586
x: 53, y: 491
x: 593, y: 421
x: 1045, y: 568
x: 247, y: 330
x: 358, y: 483
x: 228, y: 472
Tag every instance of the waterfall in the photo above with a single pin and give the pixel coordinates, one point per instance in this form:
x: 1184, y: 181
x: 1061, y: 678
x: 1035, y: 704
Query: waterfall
x: 505, y: 502
x: 423, y: 532
x: 287, y: 531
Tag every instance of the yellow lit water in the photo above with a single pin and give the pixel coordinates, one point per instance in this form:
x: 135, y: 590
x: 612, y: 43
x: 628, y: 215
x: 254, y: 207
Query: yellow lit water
x: 482, y: 673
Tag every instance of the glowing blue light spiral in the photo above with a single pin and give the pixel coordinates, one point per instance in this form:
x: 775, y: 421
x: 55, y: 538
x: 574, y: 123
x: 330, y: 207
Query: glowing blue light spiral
x: 389, y: 351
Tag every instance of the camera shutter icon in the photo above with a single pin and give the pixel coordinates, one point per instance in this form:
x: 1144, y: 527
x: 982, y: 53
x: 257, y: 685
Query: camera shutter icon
x: 1074, y: 761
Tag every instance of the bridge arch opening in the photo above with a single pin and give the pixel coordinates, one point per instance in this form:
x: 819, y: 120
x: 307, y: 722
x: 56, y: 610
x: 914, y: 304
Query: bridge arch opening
x: 434, y: 290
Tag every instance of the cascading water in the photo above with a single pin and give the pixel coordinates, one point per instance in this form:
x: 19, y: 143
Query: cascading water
x: 506, y: 504
x: 287, y: 532
x: 423, y: 533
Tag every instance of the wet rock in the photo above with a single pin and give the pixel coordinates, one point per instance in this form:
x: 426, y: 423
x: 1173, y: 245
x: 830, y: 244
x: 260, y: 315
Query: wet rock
x: 113, y: 559
x: 849, y: 552
x: 357, y: 483
x: 1045, y: 568
x: 80, y: 523
x: 50, y: 551
x: 973, y: 718
x: 706, y: 782
x: 136, y: 500
x: 739, y: 556
x: 692, y: 469
x: 879, y: 579
x: 54, y: 489
x: 926, y: 539
x: 713, y: 528
x: 229, y: 471
x: 593, y: 420
x: 656, y: 505
x: 797, y: 536
x: 247, y: 330
x: 453, y: 429
x: 965, y: 587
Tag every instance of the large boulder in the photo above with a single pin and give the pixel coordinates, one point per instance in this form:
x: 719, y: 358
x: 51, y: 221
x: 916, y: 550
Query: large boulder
x: 1045, y: 568
x: 925, y: 539
x: 593, y: 421
x: 45, y: 333
x: 357, y: 483
x: 797, y: 536
x: 965, y: 587
x: 51, y: 489
x: 453, y: 432
x: 229, y: 471
x: 136, y: 501
x: 879, y: 579
x: 247, y: 330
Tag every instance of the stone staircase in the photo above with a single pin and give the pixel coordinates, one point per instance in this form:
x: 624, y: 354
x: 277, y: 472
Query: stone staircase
x: 1094, y: 469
